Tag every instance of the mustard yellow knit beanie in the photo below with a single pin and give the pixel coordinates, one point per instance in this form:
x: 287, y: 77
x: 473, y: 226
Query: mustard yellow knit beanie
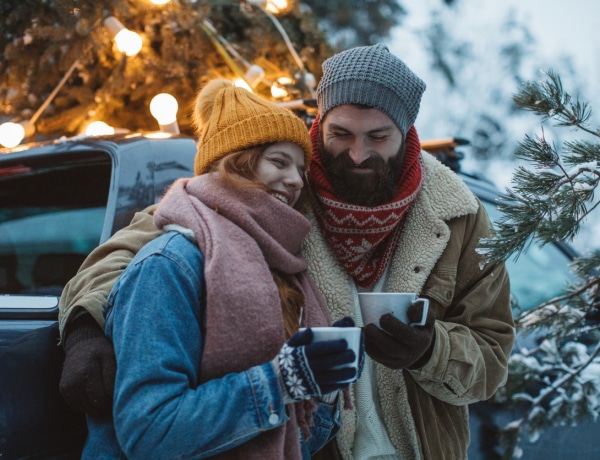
x: 229, y: 119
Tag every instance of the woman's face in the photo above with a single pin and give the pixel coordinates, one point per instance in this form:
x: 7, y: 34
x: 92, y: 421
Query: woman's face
x: 281, y: 169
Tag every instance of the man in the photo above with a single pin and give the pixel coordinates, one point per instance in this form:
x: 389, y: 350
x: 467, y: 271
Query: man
x: 386, y: 217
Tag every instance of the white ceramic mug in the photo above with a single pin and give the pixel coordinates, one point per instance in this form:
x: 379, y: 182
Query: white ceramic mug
x: 352, y: 336
x: 373, y: 305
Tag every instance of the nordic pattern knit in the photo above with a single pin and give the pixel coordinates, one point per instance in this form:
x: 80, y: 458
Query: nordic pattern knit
x: 364, y: 237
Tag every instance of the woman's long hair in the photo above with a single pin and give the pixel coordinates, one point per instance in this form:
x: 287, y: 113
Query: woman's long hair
x: 239, y: 170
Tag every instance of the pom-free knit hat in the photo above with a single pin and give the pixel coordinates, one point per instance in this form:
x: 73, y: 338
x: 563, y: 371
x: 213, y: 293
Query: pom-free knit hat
x: 230, y: 119
x: 372, y: 76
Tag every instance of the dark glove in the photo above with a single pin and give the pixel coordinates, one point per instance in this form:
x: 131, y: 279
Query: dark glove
x: 399, y: 345
x: 87, y: 382
x: 347, y: 321
x: 306, y: 369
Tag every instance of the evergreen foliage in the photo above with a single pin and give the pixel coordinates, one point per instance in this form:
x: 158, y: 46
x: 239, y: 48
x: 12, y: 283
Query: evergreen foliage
x: 556, y: 381
x: 357, y: 23
x: 40, y: 40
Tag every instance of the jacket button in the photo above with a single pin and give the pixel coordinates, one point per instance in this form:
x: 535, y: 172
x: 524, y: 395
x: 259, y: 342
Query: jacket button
x: 417, y: 269
x: 273, y: 419
x: 449, y: 295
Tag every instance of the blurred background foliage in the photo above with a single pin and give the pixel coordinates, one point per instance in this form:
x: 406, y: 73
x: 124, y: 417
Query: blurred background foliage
x: 41, y: 39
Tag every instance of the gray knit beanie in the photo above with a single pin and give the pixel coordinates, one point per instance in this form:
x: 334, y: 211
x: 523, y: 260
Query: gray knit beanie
x: 372, y: 76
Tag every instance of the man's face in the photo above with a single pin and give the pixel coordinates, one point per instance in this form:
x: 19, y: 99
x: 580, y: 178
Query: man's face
x: 362, y: 150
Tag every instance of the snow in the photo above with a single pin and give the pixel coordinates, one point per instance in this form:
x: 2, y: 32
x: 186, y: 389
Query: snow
x: 590, y: 166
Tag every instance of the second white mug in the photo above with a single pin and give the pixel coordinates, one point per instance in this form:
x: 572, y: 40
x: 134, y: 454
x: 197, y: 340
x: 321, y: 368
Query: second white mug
x: 375, y: 304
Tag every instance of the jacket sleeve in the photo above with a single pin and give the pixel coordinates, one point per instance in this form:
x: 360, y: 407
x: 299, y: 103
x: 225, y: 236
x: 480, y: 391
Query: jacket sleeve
x: 163, y: 408
x: 475, y: 329
x: 90, y: 287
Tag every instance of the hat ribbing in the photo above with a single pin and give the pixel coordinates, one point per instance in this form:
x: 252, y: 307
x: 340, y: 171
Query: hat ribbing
x: 372, y: 76
x: 232, y: 119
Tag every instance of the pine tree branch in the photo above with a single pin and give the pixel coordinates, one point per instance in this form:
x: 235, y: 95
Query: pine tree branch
x: 549, y: 100
x: 536, y: 402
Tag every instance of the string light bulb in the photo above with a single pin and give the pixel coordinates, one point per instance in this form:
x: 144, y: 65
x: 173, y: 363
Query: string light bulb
x: 241, y: 83
x: 99, y: 128
x: 127, y: 42
x: 278, y: 91
x: 254, y: 75
x: 275, y: 6
x: 164, y: 108
x: 159, y: 2
x: 11, y: 134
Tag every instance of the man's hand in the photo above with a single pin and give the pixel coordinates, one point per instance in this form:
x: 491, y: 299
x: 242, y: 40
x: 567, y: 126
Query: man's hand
x: 399, y: 345
x: 87, y: 382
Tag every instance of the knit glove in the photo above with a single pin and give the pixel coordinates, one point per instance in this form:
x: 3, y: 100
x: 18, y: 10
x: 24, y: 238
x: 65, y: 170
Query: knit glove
x: 306, y: 369
x: 87, y: 382
x: 398, y: 345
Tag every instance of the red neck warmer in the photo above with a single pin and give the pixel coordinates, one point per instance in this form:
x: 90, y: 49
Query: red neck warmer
x: 364, y: 238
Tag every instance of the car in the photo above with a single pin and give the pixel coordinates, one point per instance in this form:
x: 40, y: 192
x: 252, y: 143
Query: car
x: 61, y: 199
x: 58, y: 201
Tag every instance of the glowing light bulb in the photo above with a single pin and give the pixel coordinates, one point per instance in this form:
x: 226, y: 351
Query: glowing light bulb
x: 159, y: 2
x: 277, y: 6
x: 128, y: 42
x: 285, y: 81
x: 164, y: 108
x: 274, y: 6
x: 11, y: 134
x: 254, y: 75
x: 241, y: 83
x: 252, y: 78
x: 277, y: 91
x: 99, y: 128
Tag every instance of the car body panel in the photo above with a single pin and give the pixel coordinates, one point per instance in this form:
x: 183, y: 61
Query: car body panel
x: 52, y: 214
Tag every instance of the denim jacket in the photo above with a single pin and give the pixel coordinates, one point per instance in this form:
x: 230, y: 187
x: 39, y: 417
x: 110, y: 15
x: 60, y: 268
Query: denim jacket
x: 161, y: 410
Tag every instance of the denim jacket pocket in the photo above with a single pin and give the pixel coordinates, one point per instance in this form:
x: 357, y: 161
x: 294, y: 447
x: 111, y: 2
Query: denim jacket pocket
x: 326, y: 425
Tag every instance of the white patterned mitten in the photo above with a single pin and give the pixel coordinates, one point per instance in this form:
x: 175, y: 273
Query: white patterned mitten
x: 307, y: 370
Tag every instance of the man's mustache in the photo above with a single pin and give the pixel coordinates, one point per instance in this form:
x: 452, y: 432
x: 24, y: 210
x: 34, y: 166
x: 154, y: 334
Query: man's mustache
x: 371, y: 162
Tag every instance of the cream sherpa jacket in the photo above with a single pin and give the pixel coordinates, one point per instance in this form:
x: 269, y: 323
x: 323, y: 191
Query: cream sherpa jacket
x: 436, y: 257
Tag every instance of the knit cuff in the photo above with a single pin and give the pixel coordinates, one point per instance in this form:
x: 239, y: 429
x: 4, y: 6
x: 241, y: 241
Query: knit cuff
x: 84, y: 327
x: 285, y: 396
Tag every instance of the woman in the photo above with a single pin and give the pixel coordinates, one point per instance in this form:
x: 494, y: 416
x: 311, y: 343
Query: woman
x: 204, y: 320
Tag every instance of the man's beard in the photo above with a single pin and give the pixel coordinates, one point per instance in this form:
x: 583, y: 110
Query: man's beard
x: 374, y: 188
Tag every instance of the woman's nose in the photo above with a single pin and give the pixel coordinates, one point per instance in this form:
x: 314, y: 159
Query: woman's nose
x: 294, y: 179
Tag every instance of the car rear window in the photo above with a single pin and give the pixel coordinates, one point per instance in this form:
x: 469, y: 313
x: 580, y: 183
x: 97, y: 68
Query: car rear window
x: 52, y: 211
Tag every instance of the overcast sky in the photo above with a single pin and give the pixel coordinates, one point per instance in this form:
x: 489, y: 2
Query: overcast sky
x: 561, y: 29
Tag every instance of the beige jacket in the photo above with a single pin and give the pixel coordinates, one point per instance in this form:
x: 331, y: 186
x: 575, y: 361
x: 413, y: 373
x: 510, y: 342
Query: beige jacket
x: 436, y: 257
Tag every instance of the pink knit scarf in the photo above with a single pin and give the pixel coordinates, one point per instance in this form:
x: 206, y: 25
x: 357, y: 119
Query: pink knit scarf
x: 242, y: 233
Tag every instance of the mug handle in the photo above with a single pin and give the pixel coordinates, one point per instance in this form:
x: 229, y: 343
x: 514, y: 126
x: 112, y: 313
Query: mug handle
x: 425, y: 310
